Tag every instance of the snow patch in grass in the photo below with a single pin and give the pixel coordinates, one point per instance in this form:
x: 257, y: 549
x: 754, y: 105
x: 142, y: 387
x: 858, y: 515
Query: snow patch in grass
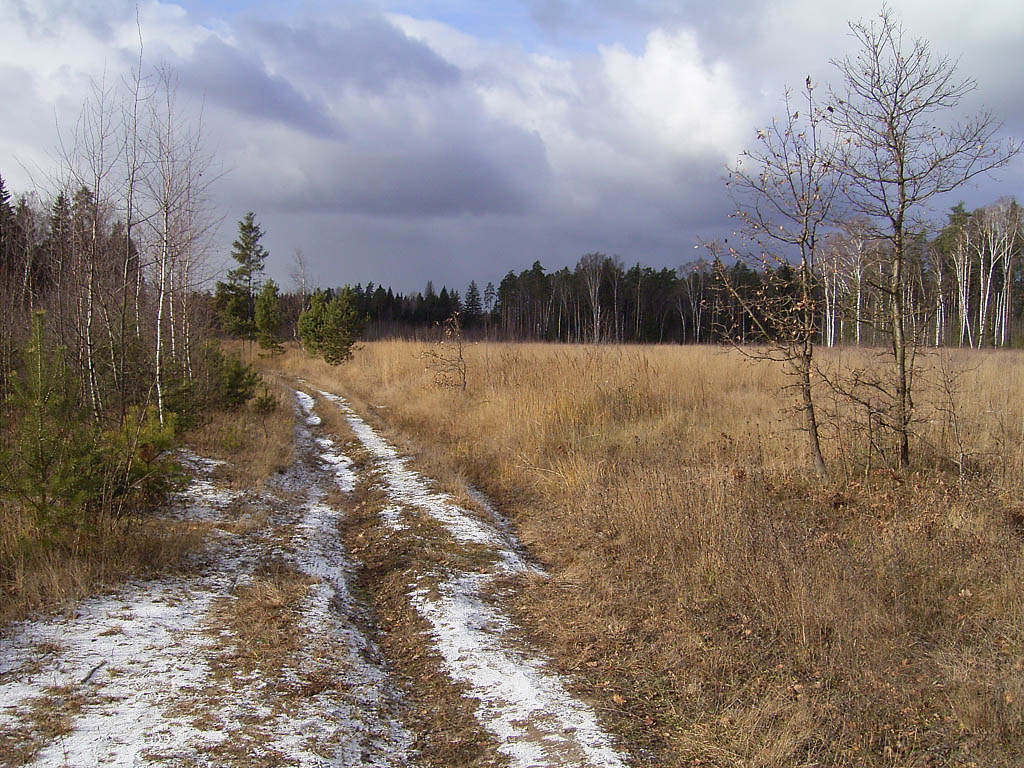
x: 407, y: 487
x: 143, y: 661
x: 307, y: 404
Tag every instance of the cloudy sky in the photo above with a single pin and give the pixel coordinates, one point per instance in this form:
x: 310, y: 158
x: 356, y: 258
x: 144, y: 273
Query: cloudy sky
x: 397, y: 141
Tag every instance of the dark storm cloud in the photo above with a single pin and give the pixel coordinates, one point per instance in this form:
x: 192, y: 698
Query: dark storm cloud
x: 427, y: 144
x: 238, y: 80
x: 488, y: 170
x: 368, y: 53
x: 451, y: 183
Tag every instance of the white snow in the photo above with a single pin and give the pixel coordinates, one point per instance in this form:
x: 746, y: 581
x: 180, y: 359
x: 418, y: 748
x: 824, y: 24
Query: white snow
x: 144, y: 651
x: 523, y: 703
x: 307, y: 404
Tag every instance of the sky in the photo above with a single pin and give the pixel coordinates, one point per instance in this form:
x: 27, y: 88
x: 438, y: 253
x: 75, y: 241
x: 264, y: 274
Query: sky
x: 400, y: 141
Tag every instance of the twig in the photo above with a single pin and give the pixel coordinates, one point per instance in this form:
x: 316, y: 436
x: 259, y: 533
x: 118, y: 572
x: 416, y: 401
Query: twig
x: 92, y: 672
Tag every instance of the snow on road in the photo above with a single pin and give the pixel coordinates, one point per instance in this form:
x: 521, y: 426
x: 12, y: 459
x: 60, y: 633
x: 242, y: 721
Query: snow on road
x: 523, y: 703
x: 137, y: 672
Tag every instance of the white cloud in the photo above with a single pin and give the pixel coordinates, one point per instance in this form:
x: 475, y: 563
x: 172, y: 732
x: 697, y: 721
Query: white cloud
x: 670, y: 96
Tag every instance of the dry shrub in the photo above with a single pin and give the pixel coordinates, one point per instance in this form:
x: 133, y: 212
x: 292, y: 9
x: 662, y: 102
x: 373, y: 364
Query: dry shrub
x: 256, y: 443
x: 727, y: 609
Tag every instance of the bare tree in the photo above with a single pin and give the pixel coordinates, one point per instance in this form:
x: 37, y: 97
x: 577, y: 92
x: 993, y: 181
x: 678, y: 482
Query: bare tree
x: 176, y: 188
x: 898, y: 157
x: 784, y: 191
x: 592, y: 267
x: 300, y: 275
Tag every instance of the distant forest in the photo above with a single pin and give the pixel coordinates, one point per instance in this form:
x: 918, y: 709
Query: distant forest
x: 967, y: 289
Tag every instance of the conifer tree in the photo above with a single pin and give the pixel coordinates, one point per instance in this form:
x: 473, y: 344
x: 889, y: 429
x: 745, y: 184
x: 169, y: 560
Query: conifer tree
x: 473, y: 308
x: 331, y: 325
x: 236, y: 299
x: 268, y: 317
x: 6, y: 228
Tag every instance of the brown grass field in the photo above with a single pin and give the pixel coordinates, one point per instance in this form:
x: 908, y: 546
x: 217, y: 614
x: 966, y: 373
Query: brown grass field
x: 719, y: 606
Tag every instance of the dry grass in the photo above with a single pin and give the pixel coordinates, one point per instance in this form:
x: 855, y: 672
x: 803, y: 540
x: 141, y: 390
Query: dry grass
x: 263, y: 622
x: 50, y: 573
x: 730, y: 610
x: 255, y: 445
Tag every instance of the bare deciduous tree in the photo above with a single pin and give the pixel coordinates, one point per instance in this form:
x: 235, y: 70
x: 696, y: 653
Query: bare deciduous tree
x: 898, y: 156
x: 784, y: 191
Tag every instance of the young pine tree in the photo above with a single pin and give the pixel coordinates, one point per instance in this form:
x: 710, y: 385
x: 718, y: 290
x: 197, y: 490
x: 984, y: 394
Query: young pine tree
x: 268, y: 318
x: 43, y: 466
x: 331, y: 325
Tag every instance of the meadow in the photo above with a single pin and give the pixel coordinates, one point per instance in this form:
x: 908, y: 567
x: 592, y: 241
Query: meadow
x: 719, y: 604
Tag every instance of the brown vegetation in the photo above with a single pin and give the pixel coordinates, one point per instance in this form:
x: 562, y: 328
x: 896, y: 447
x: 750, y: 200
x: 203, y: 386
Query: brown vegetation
x: 727, y: 608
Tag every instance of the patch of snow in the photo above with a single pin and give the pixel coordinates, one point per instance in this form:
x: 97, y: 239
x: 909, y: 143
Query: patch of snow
x: 329, y: 455
x: 528, y: 708
x: 392, y: 517
x: 407, y: 487
x: 307, y: 404
x: 141, y: 648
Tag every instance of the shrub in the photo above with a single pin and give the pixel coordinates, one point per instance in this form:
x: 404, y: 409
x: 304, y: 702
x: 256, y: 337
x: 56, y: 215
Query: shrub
x: 50, y: 441
x: 236, y: 382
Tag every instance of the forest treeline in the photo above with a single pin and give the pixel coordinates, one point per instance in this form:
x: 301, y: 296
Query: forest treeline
x: 966, y: 288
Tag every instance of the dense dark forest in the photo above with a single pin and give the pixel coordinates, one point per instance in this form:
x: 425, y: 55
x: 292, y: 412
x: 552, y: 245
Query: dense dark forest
x: 965, y: 290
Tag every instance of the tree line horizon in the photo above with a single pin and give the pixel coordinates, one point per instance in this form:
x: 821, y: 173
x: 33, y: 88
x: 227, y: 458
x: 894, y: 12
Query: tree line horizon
x: 967, y: 291
x: 967, y: 288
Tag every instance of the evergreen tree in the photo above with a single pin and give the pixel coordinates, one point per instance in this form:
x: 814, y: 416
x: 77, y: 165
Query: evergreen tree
x: 236, y: 299
x: 331, y: 326
x: 268, y: 317
x: 6, y: 229
x: 473, y: 308
x: 46, y: 468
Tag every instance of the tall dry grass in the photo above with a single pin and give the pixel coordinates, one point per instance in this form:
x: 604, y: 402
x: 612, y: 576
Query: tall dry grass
x: 722, y: 607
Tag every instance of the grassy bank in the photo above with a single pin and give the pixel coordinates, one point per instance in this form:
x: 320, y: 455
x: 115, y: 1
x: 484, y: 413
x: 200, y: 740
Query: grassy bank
x: 720, y: 606
x: 49, y: 568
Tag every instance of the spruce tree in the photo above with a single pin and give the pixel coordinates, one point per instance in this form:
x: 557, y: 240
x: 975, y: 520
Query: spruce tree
x: 236, y: 299
x: 473, y: 307
x: 6, y: 228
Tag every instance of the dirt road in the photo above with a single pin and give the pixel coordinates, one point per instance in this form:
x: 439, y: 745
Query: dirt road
x: 262, y: 655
